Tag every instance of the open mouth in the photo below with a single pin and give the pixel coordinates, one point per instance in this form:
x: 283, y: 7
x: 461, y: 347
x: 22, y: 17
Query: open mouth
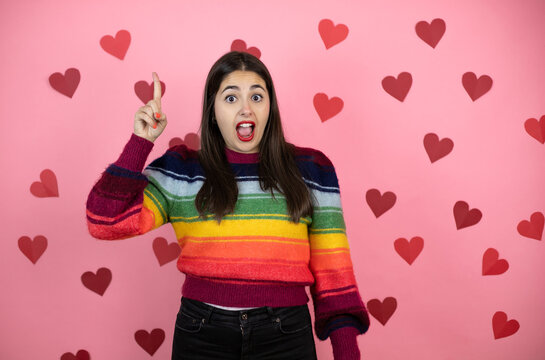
x: 245, y: 130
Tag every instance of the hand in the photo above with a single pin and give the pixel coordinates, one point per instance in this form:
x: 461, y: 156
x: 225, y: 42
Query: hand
x: 146, y: 122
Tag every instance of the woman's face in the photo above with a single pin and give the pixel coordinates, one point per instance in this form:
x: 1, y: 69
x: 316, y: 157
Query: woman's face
x: 242, y: 110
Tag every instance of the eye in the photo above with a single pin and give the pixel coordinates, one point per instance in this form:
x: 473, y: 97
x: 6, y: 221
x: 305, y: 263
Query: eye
x: 229, y: 96
x: 260, y: 97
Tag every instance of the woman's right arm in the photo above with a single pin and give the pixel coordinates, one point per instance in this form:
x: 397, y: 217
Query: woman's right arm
x: 124, y: 202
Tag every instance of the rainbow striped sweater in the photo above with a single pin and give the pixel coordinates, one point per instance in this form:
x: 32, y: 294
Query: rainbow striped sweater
x: 255, y: 256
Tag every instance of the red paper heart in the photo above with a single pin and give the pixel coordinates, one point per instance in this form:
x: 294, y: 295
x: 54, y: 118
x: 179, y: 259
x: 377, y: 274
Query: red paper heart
x: 240, y: 45
x: 327, y: 108
x: 33, y: 249
x: 431, y: 33
x: 150, y: 342
x: 47, y: 186
x: 192, y: 140
x: 81, y: 355
x: 165, y: 252
x: 502, y: 327
x: 98, y: 282
x: 533, y: 228
x: 476, y: 88
x: 144, y: 90
x: 465, y: 217
x: 492, y: 265
x: 382, y: 311
x: 436, y: 148
x: 536, y: 129
x: 332, y: 34
x: 117, y: 46
x: 409, y: 251
x: 65, y: 84
x: 398, y: 87
x: 378, y: 203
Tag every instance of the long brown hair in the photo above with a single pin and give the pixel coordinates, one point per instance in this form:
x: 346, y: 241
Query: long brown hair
x: 276, y: 169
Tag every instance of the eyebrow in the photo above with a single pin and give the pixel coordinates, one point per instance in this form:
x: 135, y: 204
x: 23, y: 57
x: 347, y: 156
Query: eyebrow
x: 238, y: 89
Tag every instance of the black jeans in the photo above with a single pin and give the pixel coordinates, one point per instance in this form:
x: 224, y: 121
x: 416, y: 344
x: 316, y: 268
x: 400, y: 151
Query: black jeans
x: 204, y: 332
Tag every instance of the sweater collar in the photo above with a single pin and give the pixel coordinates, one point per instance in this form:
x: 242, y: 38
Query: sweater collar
x: 241, y: 158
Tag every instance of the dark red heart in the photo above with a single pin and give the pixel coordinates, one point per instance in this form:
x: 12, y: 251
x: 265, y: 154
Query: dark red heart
x: 150, y: 342
x: 409, y: 251
x: 117, y: 46
x: 240, y: 45
x: 502, y: 327
x: 382, y: 311
x: 165, y: 252
x: 81, y: 355
x: 435, y: 148
x: 492, y: 265
x: 332, y: 34
x: 144, y: 90
x: 33, y: 249
x: 192, y: 140
x: 465, y: 217
x: 65, y: 84
x: 398, y: 87
x: 533, y: 228
x: 378, y: 203
x: 327, y: 108
x: 536, y: 129
x: 431, y: 33
x: 47, y: 186
x: 476, y: 88
x: 98, y: 282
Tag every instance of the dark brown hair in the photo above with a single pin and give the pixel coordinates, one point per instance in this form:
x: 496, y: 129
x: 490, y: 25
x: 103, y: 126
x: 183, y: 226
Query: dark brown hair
x: 276, y: 169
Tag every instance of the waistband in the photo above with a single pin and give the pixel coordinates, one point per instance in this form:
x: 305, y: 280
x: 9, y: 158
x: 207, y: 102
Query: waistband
x: 243, y: 294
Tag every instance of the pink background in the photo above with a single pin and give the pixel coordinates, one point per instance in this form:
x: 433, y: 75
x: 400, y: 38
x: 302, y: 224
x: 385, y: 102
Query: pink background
x: 445, y: 305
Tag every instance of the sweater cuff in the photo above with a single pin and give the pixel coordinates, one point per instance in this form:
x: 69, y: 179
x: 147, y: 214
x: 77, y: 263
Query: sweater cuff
x: 135, y: 153
x: 345, y: 344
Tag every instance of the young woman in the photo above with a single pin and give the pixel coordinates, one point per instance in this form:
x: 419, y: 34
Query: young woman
x: 257, y: 219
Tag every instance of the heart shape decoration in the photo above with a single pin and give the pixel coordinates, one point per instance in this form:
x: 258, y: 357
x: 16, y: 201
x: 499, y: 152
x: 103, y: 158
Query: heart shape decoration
x: 47, y: 186
x: 409, y: 251
x: 536, y: 129
x: 431, y: 33
x: 474, y: 87
x: 117, y: 46
x: 435, y: 148
x: 502, y: 327
x: 378, y: 203
x: 144, y: 90
x: 65, y: 84
x: 32, y: 248
x: 465, y: 217
x: 150, y: 342
x: 98, y: 282
x: 332, y: 34
x: 382, y: 311
x: 81, y: 355
x: 398, y: 87
x: 192, y: 140
x: 240, y: 45
x: 165, y: 252
x: 532, y: 229
x: 492, y: 265
x: 325, y: 107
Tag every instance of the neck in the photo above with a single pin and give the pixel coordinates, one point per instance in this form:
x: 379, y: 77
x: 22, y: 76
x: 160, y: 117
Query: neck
x: 241, y: 158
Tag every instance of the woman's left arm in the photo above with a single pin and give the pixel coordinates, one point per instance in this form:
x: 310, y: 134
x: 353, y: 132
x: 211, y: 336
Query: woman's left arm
x: 340, y: 313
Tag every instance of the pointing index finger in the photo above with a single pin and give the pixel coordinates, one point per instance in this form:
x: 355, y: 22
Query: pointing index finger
x: 156, y: 88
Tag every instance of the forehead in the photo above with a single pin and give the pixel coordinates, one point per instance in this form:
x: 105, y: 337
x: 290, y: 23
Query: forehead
x: 239, y: 77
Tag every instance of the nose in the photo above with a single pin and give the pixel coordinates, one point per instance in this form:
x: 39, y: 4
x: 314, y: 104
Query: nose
x: 246, y: 108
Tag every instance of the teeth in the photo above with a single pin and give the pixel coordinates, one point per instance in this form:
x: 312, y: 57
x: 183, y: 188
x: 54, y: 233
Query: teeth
x: 245, y: 125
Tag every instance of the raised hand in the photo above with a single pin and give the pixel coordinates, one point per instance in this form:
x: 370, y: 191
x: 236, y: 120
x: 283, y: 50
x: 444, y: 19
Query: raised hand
x: 149, y: 120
